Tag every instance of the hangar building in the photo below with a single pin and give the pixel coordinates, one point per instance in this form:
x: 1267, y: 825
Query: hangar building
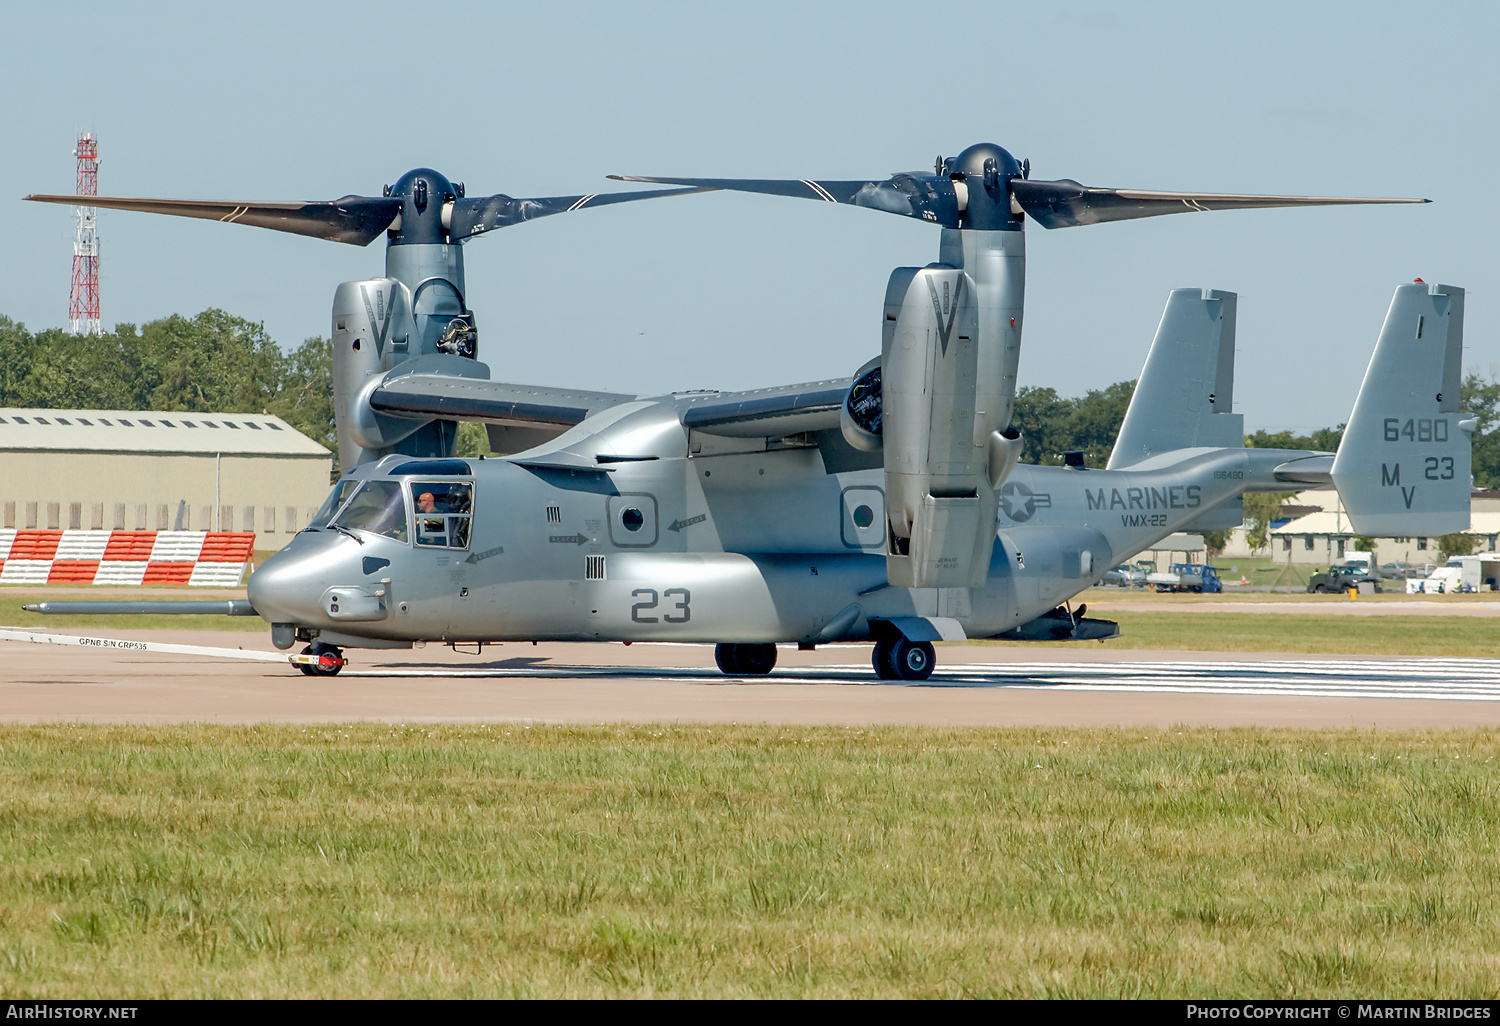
x: 1315, y: 531
x: 128, y: 471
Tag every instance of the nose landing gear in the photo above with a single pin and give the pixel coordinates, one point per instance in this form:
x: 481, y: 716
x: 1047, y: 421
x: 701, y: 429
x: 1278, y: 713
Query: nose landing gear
x: 900, y: 659
x: 319, y: 660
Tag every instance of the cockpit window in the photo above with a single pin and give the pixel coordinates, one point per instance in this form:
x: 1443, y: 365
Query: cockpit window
x: 432, y: 468
x: 341, y: 491
x: 378, y: 507
x: 443, y: 512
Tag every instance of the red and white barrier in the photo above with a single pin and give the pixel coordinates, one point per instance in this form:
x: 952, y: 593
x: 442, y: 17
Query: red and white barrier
x: 205, y: 559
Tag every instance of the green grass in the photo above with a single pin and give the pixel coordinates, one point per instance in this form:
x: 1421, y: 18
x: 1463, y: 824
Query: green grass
x: 1271, y: 570
x: 1450, y: 636
x: 479, y: 861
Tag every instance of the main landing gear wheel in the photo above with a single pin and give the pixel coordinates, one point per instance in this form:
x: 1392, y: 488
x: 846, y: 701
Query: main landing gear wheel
x: 745, y: 660
x: 900, y: 659
x: 329, y: 660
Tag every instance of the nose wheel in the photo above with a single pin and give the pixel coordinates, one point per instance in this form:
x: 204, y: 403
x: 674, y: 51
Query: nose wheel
x: 900, y: 659
x: 319, y: 660
x: 745, y: 660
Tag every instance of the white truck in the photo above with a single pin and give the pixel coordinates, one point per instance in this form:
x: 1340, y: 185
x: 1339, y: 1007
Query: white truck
x: 1194, y: 577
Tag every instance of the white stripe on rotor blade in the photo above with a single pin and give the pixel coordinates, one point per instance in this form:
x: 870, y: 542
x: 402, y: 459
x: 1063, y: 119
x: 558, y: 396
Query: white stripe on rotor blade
x: 581, y: 201
x: 822, y: 192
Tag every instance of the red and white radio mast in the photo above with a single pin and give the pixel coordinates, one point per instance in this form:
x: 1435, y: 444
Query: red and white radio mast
x: 83, y: 303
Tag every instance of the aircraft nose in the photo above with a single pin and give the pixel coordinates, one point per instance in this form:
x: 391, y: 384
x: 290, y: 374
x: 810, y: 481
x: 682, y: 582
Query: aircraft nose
x: 286, y: 587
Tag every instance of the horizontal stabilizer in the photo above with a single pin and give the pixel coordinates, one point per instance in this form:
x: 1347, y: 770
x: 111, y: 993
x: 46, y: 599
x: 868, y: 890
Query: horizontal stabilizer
x: 1310, y: 471
x: 1403, y: 466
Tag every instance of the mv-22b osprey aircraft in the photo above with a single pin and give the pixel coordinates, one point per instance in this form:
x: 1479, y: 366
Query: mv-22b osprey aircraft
x: 886, y: 507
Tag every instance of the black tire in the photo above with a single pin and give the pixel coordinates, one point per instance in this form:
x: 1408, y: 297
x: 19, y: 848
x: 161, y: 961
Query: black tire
x: 745, y: 660
x: 913, y: 660
x: 885, y: 668
x: 318, y: 649
x: 756, y: 660
x: 725, y: 656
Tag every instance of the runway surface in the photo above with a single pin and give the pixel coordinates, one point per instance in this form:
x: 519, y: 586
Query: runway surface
x: 247, y: 682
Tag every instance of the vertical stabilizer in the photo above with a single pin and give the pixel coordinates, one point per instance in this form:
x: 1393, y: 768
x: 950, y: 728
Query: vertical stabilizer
x: 1186, y: 389
x: 1403, y: 466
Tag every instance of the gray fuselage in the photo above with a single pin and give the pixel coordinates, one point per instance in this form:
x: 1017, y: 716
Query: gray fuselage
x: 629, y: 527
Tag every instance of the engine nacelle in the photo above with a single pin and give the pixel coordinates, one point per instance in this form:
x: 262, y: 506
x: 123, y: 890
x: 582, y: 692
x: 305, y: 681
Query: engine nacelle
x: 372, y: 332
x: 861, y: 415
x: 949, y: 350
x: 378, y: 329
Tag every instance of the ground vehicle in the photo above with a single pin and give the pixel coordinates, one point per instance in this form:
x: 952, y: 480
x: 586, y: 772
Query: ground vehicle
x: 1341, y: 578
x: 1130, y: 575
x: 1194, y: 577
x: 1443, y: 580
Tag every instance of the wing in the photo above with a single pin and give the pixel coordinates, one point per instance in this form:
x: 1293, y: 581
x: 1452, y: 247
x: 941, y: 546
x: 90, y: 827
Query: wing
x: 767, y: 412
x: 491, y: 402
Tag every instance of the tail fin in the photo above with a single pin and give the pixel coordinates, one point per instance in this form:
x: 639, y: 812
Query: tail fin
x: 1403, y: 467
x: 1186, y: 390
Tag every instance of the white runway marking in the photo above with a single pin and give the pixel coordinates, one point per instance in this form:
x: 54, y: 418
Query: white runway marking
x: 1472, y: 680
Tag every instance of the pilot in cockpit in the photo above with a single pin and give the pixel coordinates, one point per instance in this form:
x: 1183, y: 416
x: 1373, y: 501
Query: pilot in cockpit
x: 442, y: 513
x: 435, y: 527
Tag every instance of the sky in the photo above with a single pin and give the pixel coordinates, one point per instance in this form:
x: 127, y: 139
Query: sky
x: 281, y: 101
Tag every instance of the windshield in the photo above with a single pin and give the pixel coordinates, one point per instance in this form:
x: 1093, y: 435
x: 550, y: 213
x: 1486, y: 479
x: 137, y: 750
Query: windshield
x: 378, y: 507
x: 341, y: 491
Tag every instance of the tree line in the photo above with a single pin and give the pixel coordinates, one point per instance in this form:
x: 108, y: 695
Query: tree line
x: 211, y: 363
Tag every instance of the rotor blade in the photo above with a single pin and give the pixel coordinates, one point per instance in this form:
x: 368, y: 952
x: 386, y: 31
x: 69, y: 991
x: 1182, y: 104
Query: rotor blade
x: 356, y: 220
x: 485, y: 213
x: 1066, y: 203
x: 925, y: 197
